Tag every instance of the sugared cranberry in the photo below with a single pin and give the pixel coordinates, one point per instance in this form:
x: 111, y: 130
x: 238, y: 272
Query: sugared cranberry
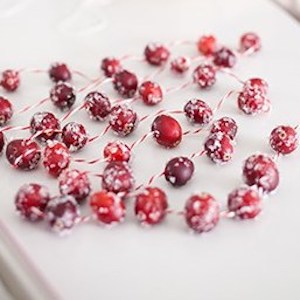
x: 23, y: 154
x: 118, y: 177
x: 224, y: 58
x: 156, y: 54
x: 250, y: 40
x: 56, y: 158
x: 151, y: 206
x: 108, y: 207
x: 256, y: 84
x: 151, y: 93
x: 261, y: 170
x: 202, y: 212
x: 167, y: 131
x: 125, y: 83
x: 74, y: 183
x: 74, y: 136
x: 284, y: 139
x: 110, y: 66
x: 204, y: 75
x: 59, y: 72
x: 180, y: 64
x: 62, y: 213
x: 97, y: 105
x: 226, y: 126
x: 244, y: 202
x: 6, y: 111
x: 198, y: 111
x: 2, y: 141
x: 31, y: 201
x: 207, y: 45
x: 123, y: 120
x: 63, y: 95
x: 45, y: 123
x: 179, y: 171
x: 117, y: 151
x: 10, y: 80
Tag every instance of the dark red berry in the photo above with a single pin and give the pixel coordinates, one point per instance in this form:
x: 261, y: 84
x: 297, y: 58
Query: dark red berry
x: 204, y: 75
x: 224, y: 58
x: 156, y: 54
x: 74, y: 136
x: 2, y: 141
x: 59, y: 72
x: 180, y: 64
x: 10, y: 80
x: 151, y: 93
x: 250, y: 41
x: 226, y: 126
x: 198, y: 112
x: 6, y: 111
x: 110, y: 66
x: 117, y: 151
x: 63, y: 95
x: 97, y: 105
x: 125, y: 83
x: 207, y: 45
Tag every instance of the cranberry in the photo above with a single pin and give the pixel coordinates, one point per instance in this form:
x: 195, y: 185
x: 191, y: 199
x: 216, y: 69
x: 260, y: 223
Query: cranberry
x: 179, y: 171
x: 284, y: 139
x: 123, y: 120
x: 10, y: 80
x: 6, y: 111
x: 63, y: 95
x: 167, y: 131
x: 250, y: 40
x: 244, y: 202
x: 257, y: 84
x: 151, y: 93
x: 108, y: 207
x: 23, y: 154
x: 97, y: 105
x: 117, y: 151
x: 207, y: 45
x: 31, y: 201
x: 56, y: 158
x: 125, y: 83
x: 224, y: 58
x: 74, y: 136
x: 198, y: 111
x: 156, y: 54
x: 202, y: 212
x: 225, y: 125
x: 110, y: 66
x: 45, y: 123
x: 2, y: 141
x: 118, y: 177
x: 261, y: 170
x: 74, y: 183
x: 204, y: 75
x: 151, y: 206
x: 59, y: 72
x: 180, y: 64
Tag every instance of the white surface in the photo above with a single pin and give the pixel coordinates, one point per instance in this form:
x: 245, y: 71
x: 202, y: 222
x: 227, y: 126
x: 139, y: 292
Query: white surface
x: 238, y: 260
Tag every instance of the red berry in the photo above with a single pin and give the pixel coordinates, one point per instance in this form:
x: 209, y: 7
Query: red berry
x: 224, y: 58
x: 56, y: 158
x: 207, y: 45
x: 202, y: 212
x: 180, y: 64
x: 74, y: 136
x: 123, y: 120
x: 151, y: 206
x: 151, y: 93
x: 226, y: 126
x: 23, y: 154
x: 63, y: 95
x: 284, y: 139
x: 156, y: 54
x: 244, y: 202
x: 31, y: 201
x: 2, y: 141
x: 198, y: 111
x: 118, y: 177
x: 204, y: 75
x: 108, y: 207
x: 250, y: 40
x: 167, y: 131
x: 59, y: 72
x: 97, y: 105
x: 179, y: 171
x: 10, y: 80
x: 6, y: 111
x: 125, y: 83
x: 261, y: 170
x: 117, y: 151
x: 110, y: 66
x: 257, y: 84
x: 74, y: 183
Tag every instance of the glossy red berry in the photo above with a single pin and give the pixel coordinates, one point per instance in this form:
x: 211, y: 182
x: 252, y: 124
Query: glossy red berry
x: 2, y: 141
x: 10, y: 80
x: 110, y: 66
x: 59, y: 72
x: 224, y: 58
x: 97, y: 105
x: 167, y: 131
x: 180, y: 64
x: 125, y: 83
x: 74, y: 136
x: 63, y: 95
x: 151, y: 93
x: 204, y: 75
x: 198, y: 112
x: 250, y: 41
x: 117, y: 151
x: 156, y: 54
x: 207, y: 45
x: 257, y: 84
x: 226, y: 126
x: 6, y: 111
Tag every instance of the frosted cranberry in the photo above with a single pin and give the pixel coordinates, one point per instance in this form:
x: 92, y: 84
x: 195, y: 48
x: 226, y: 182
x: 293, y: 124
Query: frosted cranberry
x: 123, y: 120
x: 256, y: 84
x: 167, y: 131
x: 244, y: 202
x: 74, y: 183
x: 117, y: 151
x: 118, y: 177
x: 74, y: 136
x: 2, y: 141
x: 56, y: 158
x: 125, y: 83
x: 180, y: 64
x: 10, y: 80
x: 179, y: 171
x: 23, y: 154
x: 204, y: 75
x: 62, y: 213
x: 198, y: 111
x: 151, y: 93
x: 202, y: 212
x: 226, y: 126
x: 63, y: 95
x: 110, y: 66
x: 6, y: 111
x: 59, y: 72
x: 151, y: 206
x: 250, y: 40
x: 97, y: 105
x: 284, y: 139
x: 156, y: 54
x: 108, y: 207
x: 207, y: 45
x: 261, y: 170
x: 224, y: 58
x: 45, y: 123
